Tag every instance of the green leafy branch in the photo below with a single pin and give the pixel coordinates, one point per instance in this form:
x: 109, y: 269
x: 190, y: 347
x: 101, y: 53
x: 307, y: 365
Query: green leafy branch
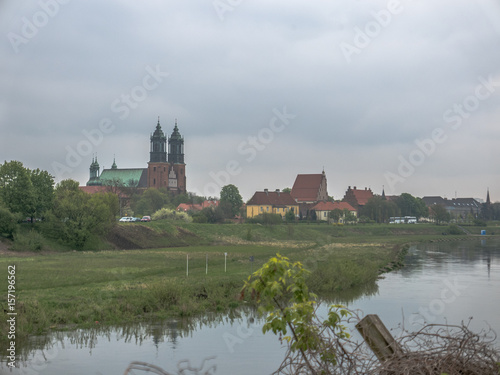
x: 280, y: 290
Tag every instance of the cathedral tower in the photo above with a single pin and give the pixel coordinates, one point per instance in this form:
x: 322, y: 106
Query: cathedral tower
x: 94, y: 173
x: 177, y: 171
x: 158, y: 149
x: 167, y: 171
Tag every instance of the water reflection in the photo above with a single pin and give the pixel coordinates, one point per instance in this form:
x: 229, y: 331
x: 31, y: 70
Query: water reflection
x: 443, y: 283
x: 166, y: 331
x: 439, y: 255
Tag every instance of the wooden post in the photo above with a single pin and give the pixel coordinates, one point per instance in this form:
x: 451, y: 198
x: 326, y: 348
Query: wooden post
x: 378, y: 337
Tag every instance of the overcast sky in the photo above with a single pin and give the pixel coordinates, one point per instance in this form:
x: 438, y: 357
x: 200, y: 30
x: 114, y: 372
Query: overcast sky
x: 401, y: 94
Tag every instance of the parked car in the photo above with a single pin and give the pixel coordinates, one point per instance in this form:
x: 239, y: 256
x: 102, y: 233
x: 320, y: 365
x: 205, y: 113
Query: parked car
x: 134, y: 219
x: 146, y: 218
x: 126, y: 219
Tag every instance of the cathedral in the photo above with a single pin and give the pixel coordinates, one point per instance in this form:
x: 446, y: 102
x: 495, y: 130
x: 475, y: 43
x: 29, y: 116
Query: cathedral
x: 165, y: 169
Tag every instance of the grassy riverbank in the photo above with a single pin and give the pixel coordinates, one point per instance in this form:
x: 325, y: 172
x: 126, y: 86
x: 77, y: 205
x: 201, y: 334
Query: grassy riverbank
x: 58, y: 290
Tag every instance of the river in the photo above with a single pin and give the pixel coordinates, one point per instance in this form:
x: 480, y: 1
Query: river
x: 442, y: 282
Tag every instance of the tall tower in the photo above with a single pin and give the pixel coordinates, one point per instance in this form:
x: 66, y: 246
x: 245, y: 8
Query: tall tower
x: 158, y: 166
x: 177, y: 168
x: 94, y: 172
x: 167, y: 171
x: 176, y: 147
x: 158, y: 150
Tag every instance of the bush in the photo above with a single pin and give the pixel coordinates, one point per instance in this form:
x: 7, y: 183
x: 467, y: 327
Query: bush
x: 453, y: 229
x: 214, y: 215
x: 199, y: 218
x: 167, y: 213
x: 265, y: 218
x: 8, y: 223
x: 480, y: 223
x: 28, y: 241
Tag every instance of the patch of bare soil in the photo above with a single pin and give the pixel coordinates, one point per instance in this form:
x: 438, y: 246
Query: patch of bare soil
x: 136, y: 236
x: 4, y: 247
x: 129, y: 237
x: 5, y: 250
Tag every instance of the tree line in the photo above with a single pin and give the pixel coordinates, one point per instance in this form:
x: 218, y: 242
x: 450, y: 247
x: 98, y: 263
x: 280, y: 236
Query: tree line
x: 33, y: 207
x: 60, y: 211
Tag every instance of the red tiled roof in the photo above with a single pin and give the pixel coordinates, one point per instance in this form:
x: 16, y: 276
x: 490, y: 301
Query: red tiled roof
x: 272, y: 198
x: 185, y: 207
x: 208, y: 203
x: 362, y: 196
x: 357, y: 197
x: 197, y: 207
x: 330, y: 206
x: 306, y: 187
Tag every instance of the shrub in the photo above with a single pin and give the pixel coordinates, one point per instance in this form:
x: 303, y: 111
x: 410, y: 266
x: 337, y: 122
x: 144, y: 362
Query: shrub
x: 8, y: 223
x: 453, y: 229
x: 28, y: 241
x: 199, y: 218
x: 167, y: 213
x: 480, y: 223
x: 265, y: 218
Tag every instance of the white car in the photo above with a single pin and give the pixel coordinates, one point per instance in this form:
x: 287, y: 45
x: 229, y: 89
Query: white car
x: 126, y: 219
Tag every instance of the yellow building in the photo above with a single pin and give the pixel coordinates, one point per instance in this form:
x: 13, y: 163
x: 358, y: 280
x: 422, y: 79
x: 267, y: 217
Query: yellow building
x: 271, y: 202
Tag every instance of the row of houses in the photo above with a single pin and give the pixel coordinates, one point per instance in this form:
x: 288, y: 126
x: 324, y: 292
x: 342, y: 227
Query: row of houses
x: 307, y: 198
x: 309, y: 195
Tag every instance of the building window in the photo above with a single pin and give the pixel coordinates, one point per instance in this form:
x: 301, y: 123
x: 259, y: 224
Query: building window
x: 164, y: 169
x: 262, y: 208
x: 154, y: 181
x: 154, y: 169
x: 267, y: 208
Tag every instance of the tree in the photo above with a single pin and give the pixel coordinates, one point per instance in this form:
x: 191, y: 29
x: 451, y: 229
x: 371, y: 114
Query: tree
x: 335, y: 215
x: 286, y: 190
x: 439, y: 213
x: 77, y: 216
x: 150, y: 201
x: 290, y: 216
x: 311, y: 215
x: 411, y: 206
x: 16, y: 189
x: 43, y: 192
x: 379, y: 210
x: 349, y: 217
x: 231, y: 195
x: 8, y: 223
x: 495, y: 211
x: 280, y: 289
x: 212, y: 215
